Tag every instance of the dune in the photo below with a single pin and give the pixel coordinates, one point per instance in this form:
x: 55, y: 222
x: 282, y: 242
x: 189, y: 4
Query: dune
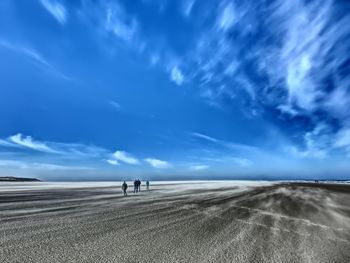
x: 175, y: 222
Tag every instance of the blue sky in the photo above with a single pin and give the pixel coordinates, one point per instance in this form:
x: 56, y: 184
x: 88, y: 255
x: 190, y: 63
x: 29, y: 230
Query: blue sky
x: 188, y: 89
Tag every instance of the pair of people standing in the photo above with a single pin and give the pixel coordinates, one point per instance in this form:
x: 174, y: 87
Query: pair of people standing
x: 137, y: 186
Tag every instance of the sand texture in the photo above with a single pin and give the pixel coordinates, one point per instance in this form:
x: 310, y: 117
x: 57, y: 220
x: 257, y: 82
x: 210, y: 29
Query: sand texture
x: 175, y: 222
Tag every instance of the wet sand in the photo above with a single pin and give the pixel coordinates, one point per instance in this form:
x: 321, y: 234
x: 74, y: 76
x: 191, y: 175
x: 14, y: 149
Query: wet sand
x: 175, y: 222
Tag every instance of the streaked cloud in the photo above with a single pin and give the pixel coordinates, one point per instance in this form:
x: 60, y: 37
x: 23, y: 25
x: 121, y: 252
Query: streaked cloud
x: 56, y: 9
x: 342, y: 140
x: 26, y: 51
x: 187, y: 6
x: 112, y: 162
x: 28, y: 142
x: 291, y: 61
x: 199, y: 167
x: 6, y: 143
x: 204, y: 137
x: 40, y: 166
x: 159, y: 164
x: 122, y: 156
x: 227, y: 17
x: 64, y: 149
x: 34, y: 56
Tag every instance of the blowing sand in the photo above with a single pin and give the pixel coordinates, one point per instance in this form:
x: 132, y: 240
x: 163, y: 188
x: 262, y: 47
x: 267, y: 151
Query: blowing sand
x: 175, y: 222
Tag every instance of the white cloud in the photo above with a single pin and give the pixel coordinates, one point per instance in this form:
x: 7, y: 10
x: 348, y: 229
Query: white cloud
x: 199, y: 167
x: 40, y: 166
x: 28, y: 142
x: 120, y: 24
x: 227, y: 144
x: 6, y: 143
x: 159, y: 164
x: 203, y: 136
x: 125, y: 157
x: 112, y: 162
x: 56, y: 9
x: 227, y: 17
x: 28, y: 52
x: 288, y: 109
x: 317, y: 143
x: 342, y: 140
x: 176, y: 75
x: 187, y: 7
x: 307, y: 55
x: 338, y: 101
x: 49, y: 166
x: 34, y: 56
x: 64, y: 149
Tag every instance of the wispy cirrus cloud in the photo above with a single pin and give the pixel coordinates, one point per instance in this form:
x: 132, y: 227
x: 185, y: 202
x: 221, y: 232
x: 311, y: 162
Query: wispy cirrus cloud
x: 56, y: 9
x: 283, y: 58
x: 227, y: 144
x: 187, y: 6
x: 342, y: 140
x: 64, y: 149
x: 122, y: 156
x: 40, y: 166
x: 26, y: 51
x: 292, y: 61
x: 34, y: 56
x: 199, y: 167
x: 7, y: 143
x: 159, y: 164
x: 204, y: 136
x: 28, y: 142
x: 227, y: 17
x: 120, y: 23
x: 228, y: 152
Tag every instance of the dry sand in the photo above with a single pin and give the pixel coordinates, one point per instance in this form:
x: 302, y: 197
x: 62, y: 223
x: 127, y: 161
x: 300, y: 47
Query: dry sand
x: 175, y: 222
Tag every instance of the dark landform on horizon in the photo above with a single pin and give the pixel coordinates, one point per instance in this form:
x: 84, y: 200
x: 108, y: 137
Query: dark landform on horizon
x: 17, y: 179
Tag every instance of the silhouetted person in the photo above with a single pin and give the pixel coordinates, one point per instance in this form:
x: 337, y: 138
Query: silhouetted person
x: 139, y: 184
x: 147, y: 185
x: 135, y: 186
x: 125, y: 187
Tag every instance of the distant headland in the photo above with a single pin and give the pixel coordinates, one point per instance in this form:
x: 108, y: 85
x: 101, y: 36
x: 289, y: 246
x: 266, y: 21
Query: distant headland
x: 17, y: 179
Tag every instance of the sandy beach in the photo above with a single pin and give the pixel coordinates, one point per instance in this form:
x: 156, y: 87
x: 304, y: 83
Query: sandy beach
x: 175, y: 222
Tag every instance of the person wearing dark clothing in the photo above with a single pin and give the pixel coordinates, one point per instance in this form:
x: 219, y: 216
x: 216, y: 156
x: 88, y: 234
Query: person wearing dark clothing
x: 139, y: 184
x: 135, y: 186
x: 124, y: 188
x: 147, y: 185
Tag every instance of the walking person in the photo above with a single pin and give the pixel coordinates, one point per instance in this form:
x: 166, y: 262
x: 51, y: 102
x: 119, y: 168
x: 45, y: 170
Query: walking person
x: 124, y: 188
x: 147, y: 185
